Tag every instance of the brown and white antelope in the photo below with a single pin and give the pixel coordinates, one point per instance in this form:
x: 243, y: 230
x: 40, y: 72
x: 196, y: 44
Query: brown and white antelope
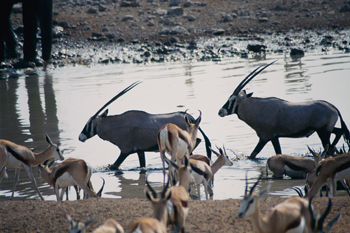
x: 20, y: 157
x: 317, y: 221
x: 293, y: 166
x: 158, y: 223
x: 77, y: 226
x: 204, y: 173
x: 292, y: 215
x: 272, y: 118
x: 177, y: 142
x: 70, y: 172
x: 109, y: 226
x: 329, y: 171
x: 178, y: 205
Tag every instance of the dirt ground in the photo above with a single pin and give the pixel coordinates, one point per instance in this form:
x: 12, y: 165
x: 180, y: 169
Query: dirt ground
x: 204, y: 216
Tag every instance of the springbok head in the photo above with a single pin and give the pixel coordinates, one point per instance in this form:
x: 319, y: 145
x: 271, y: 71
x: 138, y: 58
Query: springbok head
x: 89, y: 129
x: 229, y: 107
x: 57, y: 153
x: 77, y: 226
x: 317, y: 156
x: 250, y: 200
x: 222, y: 153
x: 317, y: 221
x: 158, y: 203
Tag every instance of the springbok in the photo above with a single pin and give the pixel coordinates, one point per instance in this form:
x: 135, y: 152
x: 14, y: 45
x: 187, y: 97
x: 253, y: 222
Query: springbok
x: 317, y: 221
x: 329, y: 171
x: 311, y: 176
x: 158, y: 223
x: 109, y: 226
x: 292, y: 215
x: 20, y: 157
x: 177, y: 142
x: 178, y: 205
x: 293, y: 166
x: 69, y: 173
x: 77, y: 226
x: 204, y: 173
x: 272, y: 118
x: 133, y: 131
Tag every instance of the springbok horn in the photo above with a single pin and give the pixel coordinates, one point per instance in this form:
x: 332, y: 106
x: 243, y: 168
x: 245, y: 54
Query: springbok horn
x: 246, y: 184
x: 256, y: 183
x: 313, y: 220
x: 247, y: 79
x: 166, y: 187
x: 324, y: 215
x: 117, y: 96
x: 216, y: 153
x: 311, y: 150
x: 154, y: 194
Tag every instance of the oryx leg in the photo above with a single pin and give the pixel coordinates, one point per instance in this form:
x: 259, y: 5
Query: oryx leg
x: 119, y: 161
x: 31, y: 177
x: 338, y: 133
x: 276, y: 145
x: 257, y: 149
x: 142, y: 159
x: 324, y: 135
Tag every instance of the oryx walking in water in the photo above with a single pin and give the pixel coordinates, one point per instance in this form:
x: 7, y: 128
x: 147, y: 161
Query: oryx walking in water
x: 133, y: 131
x: 272, y: 118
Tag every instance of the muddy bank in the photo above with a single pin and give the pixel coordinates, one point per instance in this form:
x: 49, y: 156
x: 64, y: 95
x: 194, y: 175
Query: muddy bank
x: 111, y: 31
x: 204, y: 216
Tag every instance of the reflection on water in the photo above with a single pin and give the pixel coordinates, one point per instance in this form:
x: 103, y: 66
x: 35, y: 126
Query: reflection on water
x: 60, y: 101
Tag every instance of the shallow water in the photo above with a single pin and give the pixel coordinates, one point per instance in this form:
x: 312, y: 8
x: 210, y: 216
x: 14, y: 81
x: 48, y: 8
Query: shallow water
x: 59, y: 102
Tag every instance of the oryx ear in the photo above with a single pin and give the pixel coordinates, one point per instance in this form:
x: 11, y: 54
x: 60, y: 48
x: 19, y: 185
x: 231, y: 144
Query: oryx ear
x: 105, y: 113
x: 250, y: 94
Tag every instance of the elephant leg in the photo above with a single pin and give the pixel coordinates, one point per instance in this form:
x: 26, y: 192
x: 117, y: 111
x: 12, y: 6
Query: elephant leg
x: 45, y: 20
x: 142, y: 159
x: 276, y: 146
x: 257, y: 149
x: 30, y: 23
x: 119, y: 161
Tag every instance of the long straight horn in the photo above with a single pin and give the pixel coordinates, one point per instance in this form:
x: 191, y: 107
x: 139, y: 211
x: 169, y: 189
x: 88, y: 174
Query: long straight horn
x: 117, y: 96
x: 324, y: 215
x: 154, y: 194
x: 247, y: 79
x: 99, y: 193
x: 256, y: 183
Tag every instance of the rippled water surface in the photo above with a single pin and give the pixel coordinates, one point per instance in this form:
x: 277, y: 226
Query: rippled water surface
x: 61, y: 100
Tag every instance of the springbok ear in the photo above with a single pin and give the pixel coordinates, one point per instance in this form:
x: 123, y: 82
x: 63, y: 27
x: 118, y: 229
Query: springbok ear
x: 70, y: 220
x: 170, y: 193
x: 105, y: 113
x: 149, y: 196
x: 333, y: 221
x: 48, y: 139
x: 88, y: 222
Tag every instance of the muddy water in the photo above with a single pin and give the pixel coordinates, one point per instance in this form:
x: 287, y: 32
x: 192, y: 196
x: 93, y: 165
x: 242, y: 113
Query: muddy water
x: 60, y: 101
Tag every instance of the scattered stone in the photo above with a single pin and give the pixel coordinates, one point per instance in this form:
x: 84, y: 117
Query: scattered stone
x: 191, y: 18
x: 174, y: 2
x: 256, y: 48
x: 63, y: 24
x: 296, y: 53
x: 92, y: 11
x: 102, y: 8
x: 110, y: 35
x: 218, y: 32
x: 345, y: 8
x: 263, y: 20
x: 127, y: 18
x: 129, y: 4
x: 175, y: 11
x: 188, y: 4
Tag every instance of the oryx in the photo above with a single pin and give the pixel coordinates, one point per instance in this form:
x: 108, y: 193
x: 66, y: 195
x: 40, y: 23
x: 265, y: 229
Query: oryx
x: 133, y: 131
x: 272, y: 118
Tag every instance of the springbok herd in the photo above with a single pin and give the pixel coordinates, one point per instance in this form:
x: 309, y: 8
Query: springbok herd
x: 175, y: 134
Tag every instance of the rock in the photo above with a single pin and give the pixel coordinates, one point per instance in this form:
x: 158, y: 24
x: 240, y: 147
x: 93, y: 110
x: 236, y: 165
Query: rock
x: 174, y: 2
x: 188, y: 4
x: 179, y: 31
x: 160, y: 12
x: 296, y: 53
x: 227, y: 18
x: 110, y: 35
x: 175, y: 11
x: 96, y: 34
x: 256, y: 48
x: 102, y: 8
x: 218, y: 32
x: 92, y: 11
x: 127, y: 18
x: 263, y: 20
x: 63, y: 24
x: 191, y: 18
x: 345, y: 8
x: 133, y: 3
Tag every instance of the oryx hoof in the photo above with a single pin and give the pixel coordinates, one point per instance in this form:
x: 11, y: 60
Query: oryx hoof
x: 113, y: 167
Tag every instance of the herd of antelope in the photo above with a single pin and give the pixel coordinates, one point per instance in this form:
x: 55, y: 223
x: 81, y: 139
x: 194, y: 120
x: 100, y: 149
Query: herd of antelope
x: 175, y: 134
